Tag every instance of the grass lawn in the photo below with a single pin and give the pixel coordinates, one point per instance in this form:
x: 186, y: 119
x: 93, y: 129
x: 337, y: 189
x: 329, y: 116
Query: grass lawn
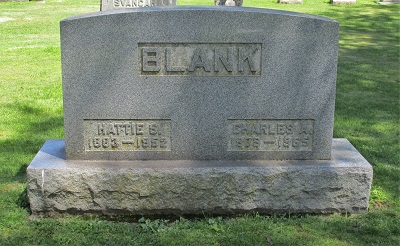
x: 367, y: 113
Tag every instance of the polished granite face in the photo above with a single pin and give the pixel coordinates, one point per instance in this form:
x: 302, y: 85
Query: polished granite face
x: 198, y: 83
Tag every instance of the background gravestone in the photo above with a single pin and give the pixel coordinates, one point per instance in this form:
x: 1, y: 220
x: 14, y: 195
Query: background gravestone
x: 389, y: 2
x: 343, y: 1
x: 228, y: 2
x: 14, y: 0
x: 123, y: 4
x: 290, y: 1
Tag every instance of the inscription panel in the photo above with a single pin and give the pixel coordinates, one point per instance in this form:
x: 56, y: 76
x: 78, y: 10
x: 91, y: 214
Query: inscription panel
x: 270, y: 135
x: 127, y: 135
x: 200, y: 59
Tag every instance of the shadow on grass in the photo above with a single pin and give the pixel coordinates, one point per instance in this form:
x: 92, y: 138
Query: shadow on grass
x: 20, y: 176
x: 28, y: 136
x: 366, y: 113
x: 23, y: 201
x: 31, y: 132
x: 368, y: 61
x: 367, y: 98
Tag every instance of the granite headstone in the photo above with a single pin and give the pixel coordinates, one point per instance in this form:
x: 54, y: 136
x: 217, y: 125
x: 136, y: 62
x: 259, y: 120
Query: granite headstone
x: 168, y: 89
x: 176, y: 111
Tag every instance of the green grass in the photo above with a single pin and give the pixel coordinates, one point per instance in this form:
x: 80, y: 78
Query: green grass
x: 367, y: 113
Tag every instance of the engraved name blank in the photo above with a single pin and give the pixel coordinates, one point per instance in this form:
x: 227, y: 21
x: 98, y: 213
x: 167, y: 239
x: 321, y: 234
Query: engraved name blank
x: 200, y: 59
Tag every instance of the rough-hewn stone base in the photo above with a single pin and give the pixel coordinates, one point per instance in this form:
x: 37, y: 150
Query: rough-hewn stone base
x: 56, y: 185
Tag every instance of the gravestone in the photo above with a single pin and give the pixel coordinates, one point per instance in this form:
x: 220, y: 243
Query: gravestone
x: 228, y: 2
x: 290, y: 1
x: 14, y: 0
x: 389, y: 2
x: 124, y: 4
x: 172, y: 117
x: 343, y: 1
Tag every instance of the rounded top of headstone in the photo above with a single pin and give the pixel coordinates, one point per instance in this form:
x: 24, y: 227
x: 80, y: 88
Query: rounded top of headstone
x: 175, y: 10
